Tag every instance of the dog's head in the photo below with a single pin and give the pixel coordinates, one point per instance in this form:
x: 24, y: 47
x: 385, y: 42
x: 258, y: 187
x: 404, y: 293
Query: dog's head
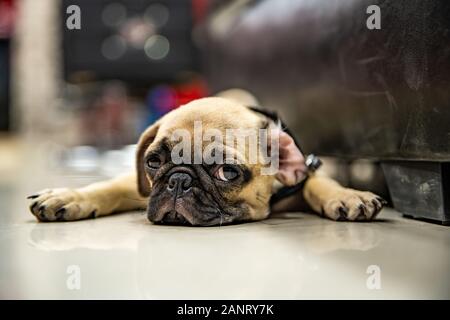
x: 195, y: 170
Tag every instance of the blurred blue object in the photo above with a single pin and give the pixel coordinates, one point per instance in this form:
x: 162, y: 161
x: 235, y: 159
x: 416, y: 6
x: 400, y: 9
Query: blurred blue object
x: 160, y: 100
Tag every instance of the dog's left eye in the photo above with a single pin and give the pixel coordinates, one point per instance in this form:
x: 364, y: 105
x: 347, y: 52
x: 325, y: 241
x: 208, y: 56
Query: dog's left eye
x: 154, y: 162
x: 227, y: 173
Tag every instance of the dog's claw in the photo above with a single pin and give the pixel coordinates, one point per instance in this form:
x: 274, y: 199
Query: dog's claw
x: 60, y: 214
x: 377, y: 204
x: 362, y: 212
x: 42, y: 217
x: 93, y: 214
x: 33, y: 205
x: 342, y: 213
x: 382, y: 201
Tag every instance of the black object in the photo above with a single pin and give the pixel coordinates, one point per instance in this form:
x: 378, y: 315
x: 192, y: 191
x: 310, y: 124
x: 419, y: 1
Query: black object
x: 420, y: 189
x: 312, y: 162
x: 348, y: 91
x: 103, y: 49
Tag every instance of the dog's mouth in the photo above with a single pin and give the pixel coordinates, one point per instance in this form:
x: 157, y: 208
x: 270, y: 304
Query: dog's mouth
x: 183, y: 214
x: 179, y: 218
x: 173, y: 218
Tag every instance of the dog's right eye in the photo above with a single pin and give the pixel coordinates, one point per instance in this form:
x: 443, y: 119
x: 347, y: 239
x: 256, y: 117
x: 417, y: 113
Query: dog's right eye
x: 154, y: 162
x: 226, y: 173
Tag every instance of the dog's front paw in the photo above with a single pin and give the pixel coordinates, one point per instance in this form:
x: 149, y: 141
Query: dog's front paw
x: 60, y: 205
x: 352, y: 205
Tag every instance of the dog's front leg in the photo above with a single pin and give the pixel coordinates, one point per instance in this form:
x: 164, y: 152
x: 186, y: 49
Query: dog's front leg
x: 330, y: 199
x: 98, y: 199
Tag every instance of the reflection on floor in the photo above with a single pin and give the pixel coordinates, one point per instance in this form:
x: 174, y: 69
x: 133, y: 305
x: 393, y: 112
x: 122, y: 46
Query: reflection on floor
x: 290, y: 256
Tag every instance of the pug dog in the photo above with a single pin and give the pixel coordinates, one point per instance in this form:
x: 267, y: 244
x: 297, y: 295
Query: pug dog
x: 205, y: 192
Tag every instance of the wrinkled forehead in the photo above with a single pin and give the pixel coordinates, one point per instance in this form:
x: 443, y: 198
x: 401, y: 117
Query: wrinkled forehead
x: 211, y: 113
x: 231, y: 129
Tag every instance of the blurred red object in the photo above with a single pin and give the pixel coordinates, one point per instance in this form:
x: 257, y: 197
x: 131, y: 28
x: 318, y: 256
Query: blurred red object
x: 7, y: 18
x: 189, y: 91
x: 199, y: 10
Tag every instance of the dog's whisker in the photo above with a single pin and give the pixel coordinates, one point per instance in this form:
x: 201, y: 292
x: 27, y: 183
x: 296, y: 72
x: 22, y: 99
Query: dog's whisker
x: 221, y: 217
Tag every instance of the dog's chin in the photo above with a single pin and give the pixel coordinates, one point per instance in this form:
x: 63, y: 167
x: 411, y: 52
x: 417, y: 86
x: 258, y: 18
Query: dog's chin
x: 178, y: 219
x: 180, y: 213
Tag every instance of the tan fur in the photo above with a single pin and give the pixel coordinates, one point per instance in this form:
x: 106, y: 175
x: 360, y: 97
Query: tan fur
x: 130, y: 192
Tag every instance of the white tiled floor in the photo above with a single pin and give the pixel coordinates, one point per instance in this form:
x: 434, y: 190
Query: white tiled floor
x: 291, y: 256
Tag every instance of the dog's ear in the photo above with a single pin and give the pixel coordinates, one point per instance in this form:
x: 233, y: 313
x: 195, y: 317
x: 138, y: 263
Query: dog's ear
x: 145, y: 140
x: 291, y: 162
x: 292, y: 168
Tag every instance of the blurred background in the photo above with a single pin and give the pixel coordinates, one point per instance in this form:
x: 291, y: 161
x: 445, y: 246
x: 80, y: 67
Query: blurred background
x: 73, y: 101
x: 373, y: 103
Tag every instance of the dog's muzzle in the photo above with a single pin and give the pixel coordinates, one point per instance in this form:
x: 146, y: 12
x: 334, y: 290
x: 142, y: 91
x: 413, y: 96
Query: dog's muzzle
x: 179, y: 185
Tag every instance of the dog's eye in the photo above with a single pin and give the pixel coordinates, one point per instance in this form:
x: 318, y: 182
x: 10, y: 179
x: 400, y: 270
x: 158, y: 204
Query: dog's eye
x: 154, y: 162
x: 226, y: 173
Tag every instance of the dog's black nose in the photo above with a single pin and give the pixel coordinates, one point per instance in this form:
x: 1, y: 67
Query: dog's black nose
x: 179, y: 182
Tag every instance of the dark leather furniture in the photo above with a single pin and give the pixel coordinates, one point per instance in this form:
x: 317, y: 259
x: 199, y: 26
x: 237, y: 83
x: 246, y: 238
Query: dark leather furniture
x: 347, y: 91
